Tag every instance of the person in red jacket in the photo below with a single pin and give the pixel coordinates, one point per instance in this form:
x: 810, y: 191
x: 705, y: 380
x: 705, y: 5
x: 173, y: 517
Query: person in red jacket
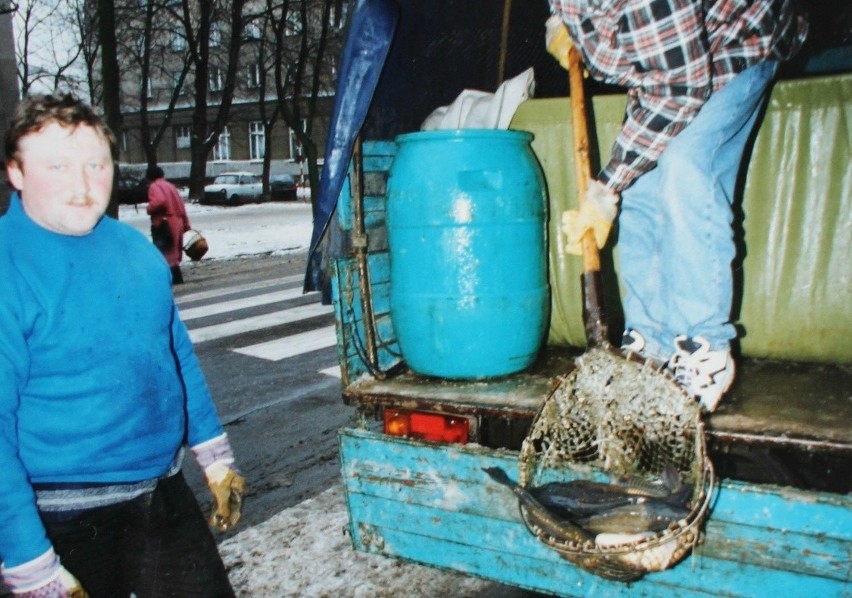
x: 168, y: 219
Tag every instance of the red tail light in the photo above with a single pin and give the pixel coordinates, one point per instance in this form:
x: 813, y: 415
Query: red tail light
x: 436, y: 427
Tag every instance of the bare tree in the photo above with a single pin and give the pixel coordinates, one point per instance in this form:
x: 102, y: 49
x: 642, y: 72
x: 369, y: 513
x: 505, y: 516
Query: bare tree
x: 201, y: 22
x: 259, y: 46
x: 83, y: 23
x: 111, y: 78
x: 149, y: 46
x: 303, y: 71
x: 44, y: 51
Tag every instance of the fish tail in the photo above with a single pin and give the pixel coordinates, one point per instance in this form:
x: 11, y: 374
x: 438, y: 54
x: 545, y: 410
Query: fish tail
x: 498, y: 475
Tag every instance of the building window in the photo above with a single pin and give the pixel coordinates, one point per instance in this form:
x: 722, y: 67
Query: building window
x: 215, y: 79
x: 123, y: 141
x: 149, y: 88
x: 178, y: 42
x: 337, y: 18
x: 252, y: 31
x: 293, y: 23
x: 257, y: 140
x: 222, y: 149
x: 253, y: 76
x: 183, y: 137
x: 215, y: 35
x: 295, y: 144
x: 177, y: 82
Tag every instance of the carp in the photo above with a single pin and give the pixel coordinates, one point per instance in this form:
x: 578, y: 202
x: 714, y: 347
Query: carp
x: 539, y: 515
x: 583, y: 498
x: 581, y: 509
x: 652, y: 515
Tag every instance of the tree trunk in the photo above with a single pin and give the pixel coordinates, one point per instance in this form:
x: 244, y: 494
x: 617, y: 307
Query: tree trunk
x: 111, y: 79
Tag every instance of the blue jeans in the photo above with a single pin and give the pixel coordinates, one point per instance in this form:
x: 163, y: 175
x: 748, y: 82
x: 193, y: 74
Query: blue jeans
x: 676, y: 241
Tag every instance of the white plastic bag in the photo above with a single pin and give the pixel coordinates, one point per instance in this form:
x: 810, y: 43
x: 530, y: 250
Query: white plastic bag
x: 474, y: 109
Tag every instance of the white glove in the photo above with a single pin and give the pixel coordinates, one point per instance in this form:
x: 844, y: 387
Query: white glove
x: 597, y: 212
x: 43, y: 577
x: 557, y: 40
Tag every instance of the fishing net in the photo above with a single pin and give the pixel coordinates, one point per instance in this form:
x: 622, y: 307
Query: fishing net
x: 614, y: 417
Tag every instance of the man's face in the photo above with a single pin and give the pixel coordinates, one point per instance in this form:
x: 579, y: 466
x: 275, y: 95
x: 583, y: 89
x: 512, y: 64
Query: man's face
x: 64, y: 177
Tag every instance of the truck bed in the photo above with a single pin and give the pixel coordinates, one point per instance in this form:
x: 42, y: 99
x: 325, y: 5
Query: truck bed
x: 783, y: 422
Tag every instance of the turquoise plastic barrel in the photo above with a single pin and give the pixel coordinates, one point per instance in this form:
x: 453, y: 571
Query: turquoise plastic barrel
x: 468, y: 268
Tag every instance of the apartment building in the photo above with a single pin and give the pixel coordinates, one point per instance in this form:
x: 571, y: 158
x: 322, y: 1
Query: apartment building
x: 167, y: 96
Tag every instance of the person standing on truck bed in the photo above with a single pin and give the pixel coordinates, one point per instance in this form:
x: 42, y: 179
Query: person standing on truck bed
x: 100, y: 387
x: 697, y: 75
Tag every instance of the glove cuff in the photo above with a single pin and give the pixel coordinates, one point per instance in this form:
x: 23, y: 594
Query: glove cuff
x: 33, y: 574
x: 215, y: 450
x: 604, y: 201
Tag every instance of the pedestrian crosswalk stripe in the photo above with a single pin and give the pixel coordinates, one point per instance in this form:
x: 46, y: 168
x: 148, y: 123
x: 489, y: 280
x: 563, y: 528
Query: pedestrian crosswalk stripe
x: 285, y: 316
x: 216, y: 293
x: 290, y: 346
x: 333, y: 371
x: 235, y: 304
x: 251, y: 286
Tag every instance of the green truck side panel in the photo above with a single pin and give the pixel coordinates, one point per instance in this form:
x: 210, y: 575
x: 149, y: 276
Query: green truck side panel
x: 795, y: 270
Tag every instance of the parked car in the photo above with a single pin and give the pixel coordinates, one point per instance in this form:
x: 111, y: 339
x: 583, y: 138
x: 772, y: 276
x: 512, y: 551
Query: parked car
x: 282, y: 187
x: 131, y: 189
x: 233, y: 189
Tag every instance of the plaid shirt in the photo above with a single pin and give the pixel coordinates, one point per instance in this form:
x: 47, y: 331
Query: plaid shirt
x: 672, y: 55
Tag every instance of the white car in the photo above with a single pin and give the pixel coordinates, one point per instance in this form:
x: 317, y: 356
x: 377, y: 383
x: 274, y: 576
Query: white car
x: 233, y: 189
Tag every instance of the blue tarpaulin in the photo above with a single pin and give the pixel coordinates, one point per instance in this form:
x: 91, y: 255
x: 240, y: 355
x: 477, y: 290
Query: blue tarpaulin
x: 365, y: 50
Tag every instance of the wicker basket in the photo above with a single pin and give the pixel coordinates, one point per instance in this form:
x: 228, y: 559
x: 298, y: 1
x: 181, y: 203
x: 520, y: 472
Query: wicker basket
x: 620, y: 418
x: 195, y: 245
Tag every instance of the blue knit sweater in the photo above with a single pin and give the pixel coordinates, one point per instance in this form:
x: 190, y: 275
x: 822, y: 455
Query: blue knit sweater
x: 98, y: 378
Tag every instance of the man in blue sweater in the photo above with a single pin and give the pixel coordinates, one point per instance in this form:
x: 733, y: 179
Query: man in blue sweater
x: 100, y: 388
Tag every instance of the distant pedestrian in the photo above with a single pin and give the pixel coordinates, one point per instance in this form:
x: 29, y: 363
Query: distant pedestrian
x: 101, y: 392
x: 168, y: 219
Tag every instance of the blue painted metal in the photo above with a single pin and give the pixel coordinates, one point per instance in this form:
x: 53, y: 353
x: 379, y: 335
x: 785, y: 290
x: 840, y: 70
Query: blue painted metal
x: 468, y: 256
x: 346, y: 293
x: 433, y: 504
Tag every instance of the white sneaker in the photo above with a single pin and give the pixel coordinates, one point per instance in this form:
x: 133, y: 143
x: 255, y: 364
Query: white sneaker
x: 633, y: 348
x: 632, y: 342
x: 704, y: 374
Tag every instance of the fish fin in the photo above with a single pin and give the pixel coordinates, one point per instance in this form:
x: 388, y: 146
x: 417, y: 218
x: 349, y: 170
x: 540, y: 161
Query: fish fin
x: 671, y: 478
x: 499, y: 476
x: 682, y: 496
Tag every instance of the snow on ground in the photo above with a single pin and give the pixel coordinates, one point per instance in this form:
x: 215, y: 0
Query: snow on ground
x: 246, y: 230
x: 303, y: 550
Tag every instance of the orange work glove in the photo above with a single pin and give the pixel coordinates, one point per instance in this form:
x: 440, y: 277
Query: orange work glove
x: 227, y: 486
x: 596, y: 212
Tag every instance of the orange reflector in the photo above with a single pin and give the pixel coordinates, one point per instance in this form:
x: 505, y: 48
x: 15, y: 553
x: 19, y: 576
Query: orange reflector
x: 436, y: 427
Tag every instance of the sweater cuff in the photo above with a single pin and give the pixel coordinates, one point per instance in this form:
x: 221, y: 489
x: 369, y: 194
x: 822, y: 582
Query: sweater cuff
x: 215, y: 450
x: 33, y: 574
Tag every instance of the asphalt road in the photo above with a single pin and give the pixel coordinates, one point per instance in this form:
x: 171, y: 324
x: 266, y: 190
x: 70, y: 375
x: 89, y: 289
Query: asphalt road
x: 281, y: 416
